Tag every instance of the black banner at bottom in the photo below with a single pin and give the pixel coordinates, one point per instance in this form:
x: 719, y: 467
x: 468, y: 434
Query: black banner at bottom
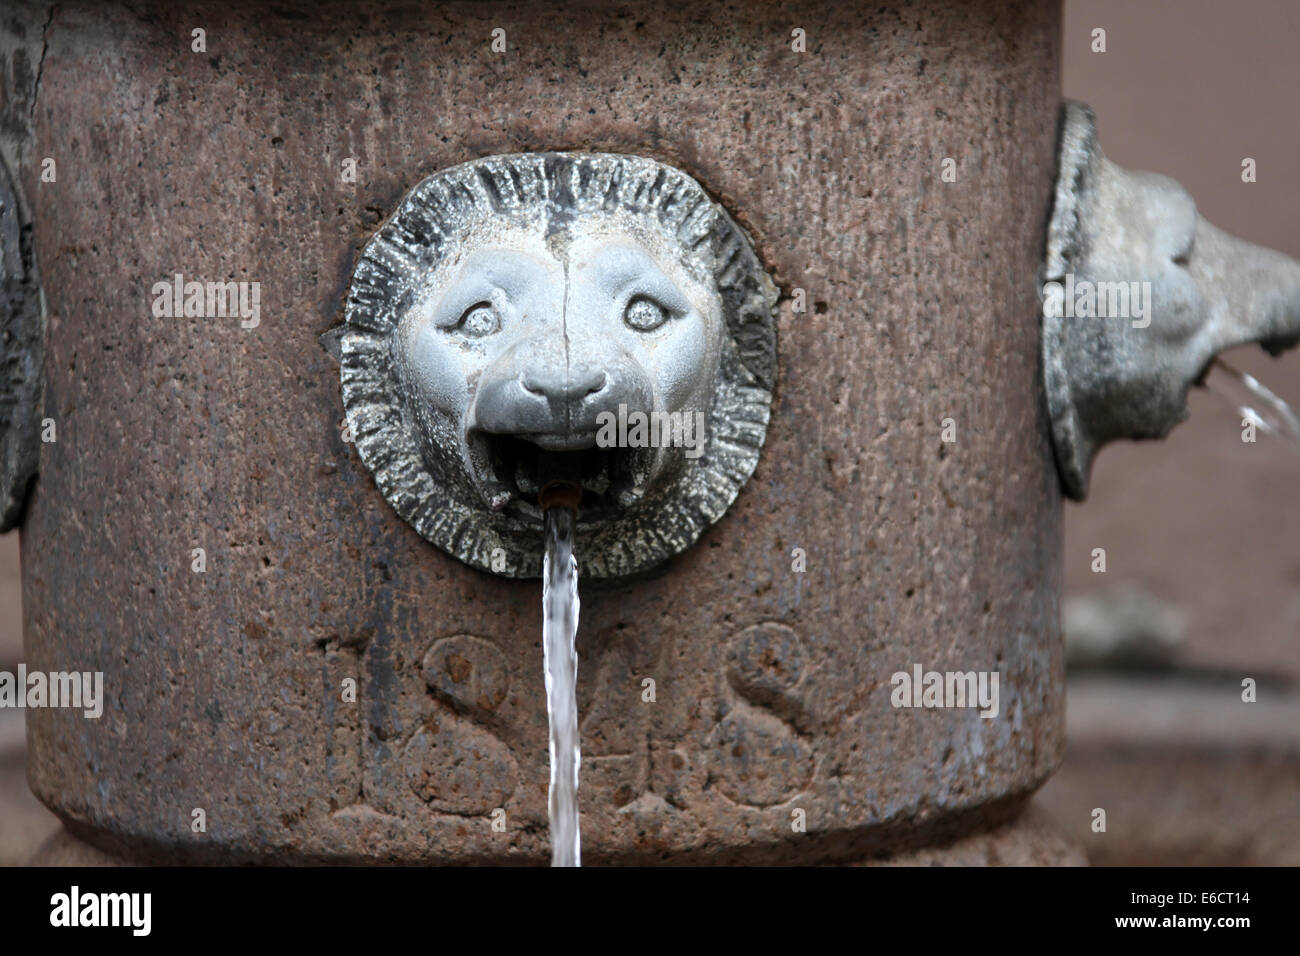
x: 342, y: 906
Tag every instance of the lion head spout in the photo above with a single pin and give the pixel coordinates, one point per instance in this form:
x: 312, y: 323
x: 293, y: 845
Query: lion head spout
x: 594, y: 307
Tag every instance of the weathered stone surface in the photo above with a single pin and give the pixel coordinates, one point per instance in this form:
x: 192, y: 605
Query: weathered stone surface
x: 24, y: 823
x: 175, y: 434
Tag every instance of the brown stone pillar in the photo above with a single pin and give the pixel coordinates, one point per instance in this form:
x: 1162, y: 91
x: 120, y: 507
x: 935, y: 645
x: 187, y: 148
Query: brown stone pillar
x: 772, y: 686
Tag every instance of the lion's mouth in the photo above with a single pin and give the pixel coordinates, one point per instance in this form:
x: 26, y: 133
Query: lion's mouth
x: 509, y: 470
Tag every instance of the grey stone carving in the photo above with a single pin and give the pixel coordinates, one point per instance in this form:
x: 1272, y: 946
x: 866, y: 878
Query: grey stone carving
x: 760, y: 747
x: 1139, y: 294
x: 454, y: 761
x: 514, y: 306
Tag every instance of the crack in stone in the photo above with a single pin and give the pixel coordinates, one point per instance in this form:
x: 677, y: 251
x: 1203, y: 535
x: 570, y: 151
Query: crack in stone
x: 40, y: 66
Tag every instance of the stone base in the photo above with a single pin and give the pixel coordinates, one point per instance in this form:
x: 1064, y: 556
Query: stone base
x: 1031, y: 839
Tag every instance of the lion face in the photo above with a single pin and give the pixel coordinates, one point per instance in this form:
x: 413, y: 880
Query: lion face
x: 516, y: 307
x: 528, y: 344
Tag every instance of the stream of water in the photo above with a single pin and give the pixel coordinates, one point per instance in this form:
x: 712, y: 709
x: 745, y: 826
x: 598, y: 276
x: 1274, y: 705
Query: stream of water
x: 1254, y: 402
x: 559, y: 630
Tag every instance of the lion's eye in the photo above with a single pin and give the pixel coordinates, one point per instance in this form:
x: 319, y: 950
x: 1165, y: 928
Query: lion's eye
x: 480, y: 319
x: 645, y: 314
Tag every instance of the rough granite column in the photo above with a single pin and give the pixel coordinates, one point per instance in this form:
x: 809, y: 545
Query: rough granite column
x: 772, y: 687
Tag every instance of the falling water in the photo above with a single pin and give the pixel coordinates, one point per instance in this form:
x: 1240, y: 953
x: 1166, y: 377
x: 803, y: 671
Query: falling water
x: 559, y: 628
x: 1254, y: 402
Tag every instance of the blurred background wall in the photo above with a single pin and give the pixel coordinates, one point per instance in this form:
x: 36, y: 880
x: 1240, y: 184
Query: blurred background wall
x: 1201, y: 532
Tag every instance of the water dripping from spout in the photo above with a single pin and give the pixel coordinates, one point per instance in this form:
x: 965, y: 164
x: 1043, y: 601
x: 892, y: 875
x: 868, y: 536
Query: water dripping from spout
x: 559, y: 631
x: 1255, y: 403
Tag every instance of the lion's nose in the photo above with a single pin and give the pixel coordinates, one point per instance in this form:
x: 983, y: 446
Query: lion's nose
x: 530, y: 391
x: 563, y: 385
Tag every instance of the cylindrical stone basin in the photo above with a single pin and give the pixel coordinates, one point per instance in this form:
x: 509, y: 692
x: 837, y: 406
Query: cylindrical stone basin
x: 905, y: 511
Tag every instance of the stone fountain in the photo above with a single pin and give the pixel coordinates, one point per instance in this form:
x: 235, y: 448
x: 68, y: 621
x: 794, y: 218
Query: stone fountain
x: 307, y: 573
